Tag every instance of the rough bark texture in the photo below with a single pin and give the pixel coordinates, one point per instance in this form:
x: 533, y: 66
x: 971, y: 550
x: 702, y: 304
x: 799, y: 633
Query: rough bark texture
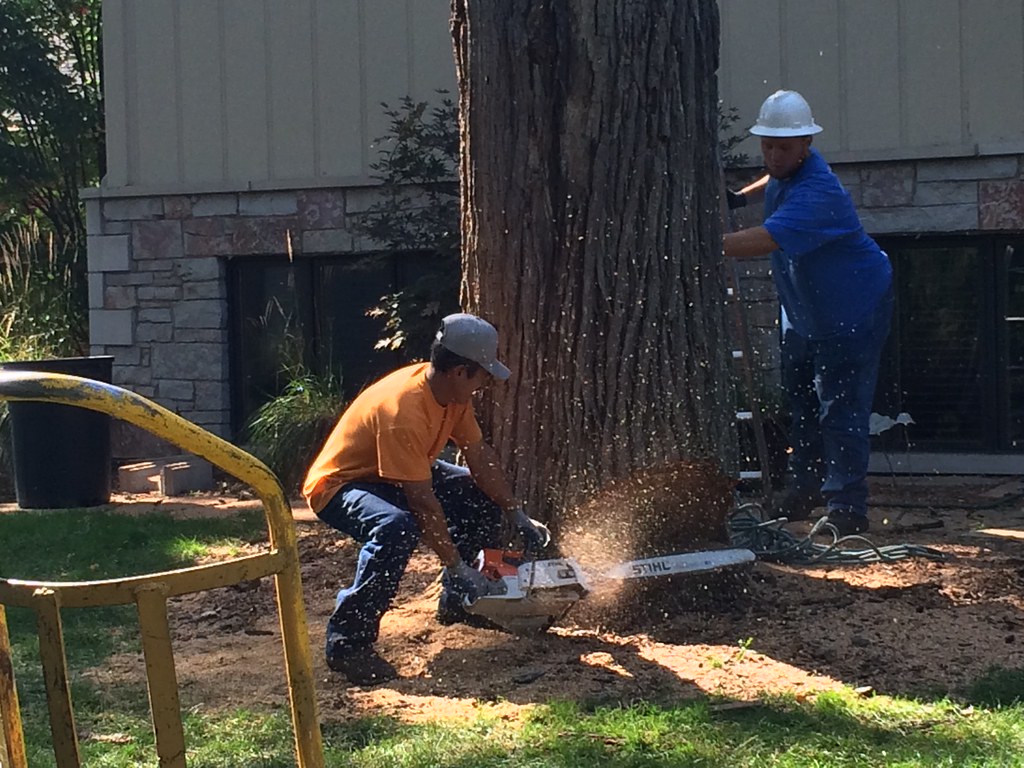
x: 592, y: 234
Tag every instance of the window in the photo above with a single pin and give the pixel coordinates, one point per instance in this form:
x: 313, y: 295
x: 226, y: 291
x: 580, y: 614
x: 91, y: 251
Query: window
x: 955, y: 357
x: 313, y: 311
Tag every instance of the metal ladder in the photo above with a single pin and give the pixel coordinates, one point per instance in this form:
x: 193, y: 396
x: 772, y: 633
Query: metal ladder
x: 753, y: 416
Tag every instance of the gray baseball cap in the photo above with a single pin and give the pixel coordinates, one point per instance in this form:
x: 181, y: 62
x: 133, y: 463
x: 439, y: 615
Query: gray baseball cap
x: 475, y: 339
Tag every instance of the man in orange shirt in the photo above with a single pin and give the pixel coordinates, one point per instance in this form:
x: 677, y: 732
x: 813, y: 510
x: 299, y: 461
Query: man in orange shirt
x: 378, y: 479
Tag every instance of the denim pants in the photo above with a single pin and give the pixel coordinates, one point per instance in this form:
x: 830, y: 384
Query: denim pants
x: 376, y: 515
x: 829, y: 386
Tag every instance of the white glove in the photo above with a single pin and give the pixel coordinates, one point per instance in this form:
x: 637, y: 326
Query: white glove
x: 535, y: 534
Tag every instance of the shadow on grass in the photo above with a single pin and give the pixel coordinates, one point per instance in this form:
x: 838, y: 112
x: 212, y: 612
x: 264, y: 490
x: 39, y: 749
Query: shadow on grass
x: 997, y: 688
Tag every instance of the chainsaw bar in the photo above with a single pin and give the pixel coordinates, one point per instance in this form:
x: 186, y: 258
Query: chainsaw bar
x: 686, y: 562
x: 530, y: 595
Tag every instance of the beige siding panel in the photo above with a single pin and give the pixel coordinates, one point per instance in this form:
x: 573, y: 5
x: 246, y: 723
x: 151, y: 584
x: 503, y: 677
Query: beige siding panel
x: 433, y: 59
x: 387, y: 62
x: 812, y: 59
x: 871, y: 93
x: 993, y: 34
x: 751, y: 61
x: 245, y: 89
x: 202, y: 97
x: 232, y: 93
x: 339, y: 89
x: 930, y: 47
x: 291, y: 109
x: 115, y: 94
x: 155, y: 95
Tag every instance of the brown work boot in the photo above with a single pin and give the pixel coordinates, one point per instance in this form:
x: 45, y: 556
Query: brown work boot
x: 361, y: 665
x: 797, y: 504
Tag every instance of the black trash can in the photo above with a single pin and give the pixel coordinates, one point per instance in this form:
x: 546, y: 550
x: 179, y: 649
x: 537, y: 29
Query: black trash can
x: 62, y: 456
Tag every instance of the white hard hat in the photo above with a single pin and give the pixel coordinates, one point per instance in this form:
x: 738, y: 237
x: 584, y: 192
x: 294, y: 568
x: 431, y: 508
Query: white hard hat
x: 785, y: 113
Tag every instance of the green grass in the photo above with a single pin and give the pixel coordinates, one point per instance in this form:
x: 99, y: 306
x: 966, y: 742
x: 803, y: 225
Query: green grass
x: 984, y: 727
x: 79, y: 545
x: 835, y: 731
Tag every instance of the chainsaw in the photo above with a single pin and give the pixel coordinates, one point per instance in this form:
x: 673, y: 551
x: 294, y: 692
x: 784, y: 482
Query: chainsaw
x: 531, y: 595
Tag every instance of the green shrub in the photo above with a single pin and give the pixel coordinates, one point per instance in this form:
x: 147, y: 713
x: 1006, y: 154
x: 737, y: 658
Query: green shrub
x: 42, y: 296
x: 286, y: 432
x: 417, y: 212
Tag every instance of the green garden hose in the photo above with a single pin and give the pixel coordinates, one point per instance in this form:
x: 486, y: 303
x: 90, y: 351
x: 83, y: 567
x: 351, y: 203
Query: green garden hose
x: 767, y: 538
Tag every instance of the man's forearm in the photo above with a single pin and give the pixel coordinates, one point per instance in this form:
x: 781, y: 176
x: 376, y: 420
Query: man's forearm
x: 749, y: 243
x: 434, y: 533
x: 485, y: 466
x: 425, y: 507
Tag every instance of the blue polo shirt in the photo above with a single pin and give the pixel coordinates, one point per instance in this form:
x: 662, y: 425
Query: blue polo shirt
x: 829, y: 273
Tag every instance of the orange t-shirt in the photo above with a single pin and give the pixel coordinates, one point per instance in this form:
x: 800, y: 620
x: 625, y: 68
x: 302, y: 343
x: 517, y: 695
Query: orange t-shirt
x: 393, y: 431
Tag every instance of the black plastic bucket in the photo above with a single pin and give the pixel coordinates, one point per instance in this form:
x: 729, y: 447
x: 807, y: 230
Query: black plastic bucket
x: 62, y: 455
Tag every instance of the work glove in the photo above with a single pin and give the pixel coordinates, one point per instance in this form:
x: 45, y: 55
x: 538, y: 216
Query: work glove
x: 467, y: 583
x: 735, y: 199
x: 533, y: 533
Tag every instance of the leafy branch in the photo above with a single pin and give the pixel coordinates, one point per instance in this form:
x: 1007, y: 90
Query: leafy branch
x: 417, y: 214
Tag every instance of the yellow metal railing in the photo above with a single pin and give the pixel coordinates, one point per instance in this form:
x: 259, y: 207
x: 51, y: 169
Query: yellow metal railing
x: 150, y: 592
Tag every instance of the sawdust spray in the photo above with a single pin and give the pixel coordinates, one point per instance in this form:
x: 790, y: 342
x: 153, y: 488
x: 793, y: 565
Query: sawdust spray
x: 680, y: 507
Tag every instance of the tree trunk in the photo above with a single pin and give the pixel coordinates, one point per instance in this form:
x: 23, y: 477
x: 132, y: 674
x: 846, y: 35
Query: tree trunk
x: 592, y: 234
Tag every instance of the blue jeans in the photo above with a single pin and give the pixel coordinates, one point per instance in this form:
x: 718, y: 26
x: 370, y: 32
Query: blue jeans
x: 376, y: 514
x: 829, y: 386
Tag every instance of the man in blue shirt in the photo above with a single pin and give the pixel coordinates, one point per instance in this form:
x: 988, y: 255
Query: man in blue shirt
x: 835, y: 288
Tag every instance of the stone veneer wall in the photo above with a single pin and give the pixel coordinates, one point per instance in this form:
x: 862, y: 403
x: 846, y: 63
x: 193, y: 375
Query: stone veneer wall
x: 158, y: 294
x: 158, y: 289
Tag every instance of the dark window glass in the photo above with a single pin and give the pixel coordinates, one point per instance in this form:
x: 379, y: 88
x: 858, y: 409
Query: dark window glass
x: 1014, y: 328
x: 270, y: 328
x: 314, y: 313
x: 955, y: 357
x: 1016, y: 418
x: 347, y: 289
x: 939, y: 331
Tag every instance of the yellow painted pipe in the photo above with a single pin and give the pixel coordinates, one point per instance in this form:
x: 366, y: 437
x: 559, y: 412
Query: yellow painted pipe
x: 106, y: 592
x: 55, y: 679
x: 10, y: 711
x: 151, y: 601
x: 143, y: 413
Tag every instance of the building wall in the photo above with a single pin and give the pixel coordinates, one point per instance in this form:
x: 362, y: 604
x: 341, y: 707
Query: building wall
x: 158, y: 293
x: 888, y: 79
x: 930, y: 195
x: 230, y: 95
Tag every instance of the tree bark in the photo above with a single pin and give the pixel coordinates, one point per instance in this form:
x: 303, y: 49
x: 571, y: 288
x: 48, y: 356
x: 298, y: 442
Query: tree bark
x: 592, y: 234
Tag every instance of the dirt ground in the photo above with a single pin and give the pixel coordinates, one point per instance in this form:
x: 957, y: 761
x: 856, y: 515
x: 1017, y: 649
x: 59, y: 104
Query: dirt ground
x: 915, y: 627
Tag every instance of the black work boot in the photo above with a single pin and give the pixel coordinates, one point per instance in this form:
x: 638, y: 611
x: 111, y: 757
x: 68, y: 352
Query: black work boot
x: 847, y: 522
x: 361, y: 665
x: 798, y: 504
